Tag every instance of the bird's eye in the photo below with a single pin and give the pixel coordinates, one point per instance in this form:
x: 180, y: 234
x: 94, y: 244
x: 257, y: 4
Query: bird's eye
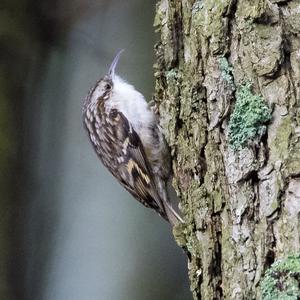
x: 107, y: 86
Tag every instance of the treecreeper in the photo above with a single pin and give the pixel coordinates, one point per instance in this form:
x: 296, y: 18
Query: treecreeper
x: 127, y: 138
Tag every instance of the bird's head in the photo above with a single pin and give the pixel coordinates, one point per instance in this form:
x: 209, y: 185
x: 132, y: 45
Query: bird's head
x: 104, y: 87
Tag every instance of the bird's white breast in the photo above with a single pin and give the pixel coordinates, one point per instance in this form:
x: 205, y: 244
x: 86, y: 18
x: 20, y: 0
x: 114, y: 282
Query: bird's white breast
x: 131, y: 103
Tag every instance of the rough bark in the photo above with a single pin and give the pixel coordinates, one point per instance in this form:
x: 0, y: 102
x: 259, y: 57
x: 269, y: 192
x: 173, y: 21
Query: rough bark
x: 241, y: 204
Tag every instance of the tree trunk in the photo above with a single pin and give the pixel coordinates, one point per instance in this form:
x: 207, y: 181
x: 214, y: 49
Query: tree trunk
x: 228, y: 91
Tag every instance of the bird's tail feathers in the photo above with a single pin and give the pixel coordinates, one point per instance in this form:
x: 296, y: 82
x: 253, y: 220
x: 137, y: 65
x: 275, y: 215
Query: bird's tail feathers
x: 172, y: 215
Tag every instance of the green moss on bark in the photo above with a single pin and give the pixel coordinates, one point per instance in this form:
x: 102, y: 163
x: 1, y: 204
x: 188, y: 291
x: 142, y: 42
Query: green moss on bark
x: 282, y: 280
x: 248, y: 118
x: 226, y: 71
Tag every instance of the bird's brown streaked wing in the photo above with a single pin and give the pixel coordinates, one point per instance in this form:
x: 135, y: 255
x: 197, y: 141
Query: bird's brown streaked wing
x: 133, y: 170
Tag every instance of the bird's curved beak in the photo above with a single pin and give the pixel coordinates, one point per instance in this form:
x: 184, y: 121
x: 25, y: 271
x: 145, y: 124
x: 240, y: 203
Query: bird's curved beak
x: 111, y: 71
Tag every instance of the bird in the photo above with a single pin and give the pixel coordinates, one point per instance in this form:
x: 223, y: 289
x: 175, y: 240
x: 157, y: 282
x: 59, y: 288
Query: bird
x: 127, y: 138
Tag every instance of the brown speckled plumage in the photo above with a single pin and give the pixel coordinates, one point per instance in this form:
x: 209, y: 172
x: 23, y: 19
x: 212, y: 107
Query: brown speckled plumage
x: 134, y: 152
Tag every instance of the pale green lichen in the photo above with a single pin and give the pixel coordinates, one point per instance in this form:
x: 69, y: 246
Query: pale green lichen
x: 226, y: 71
x: 248, y: 118
x: 282, y: 280
x: 198, y: 5
x: 172, y: 74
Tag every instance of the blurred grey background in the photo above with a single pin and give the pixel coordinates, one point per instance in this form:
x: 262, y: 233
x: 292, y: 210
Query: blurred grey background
x: 68, y: 230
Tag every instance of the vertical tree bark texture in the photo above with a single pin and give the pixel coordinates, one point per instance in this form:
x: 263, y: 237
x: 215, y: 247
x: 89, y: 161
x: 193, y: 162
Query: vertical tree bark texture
x: 241, y: 206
